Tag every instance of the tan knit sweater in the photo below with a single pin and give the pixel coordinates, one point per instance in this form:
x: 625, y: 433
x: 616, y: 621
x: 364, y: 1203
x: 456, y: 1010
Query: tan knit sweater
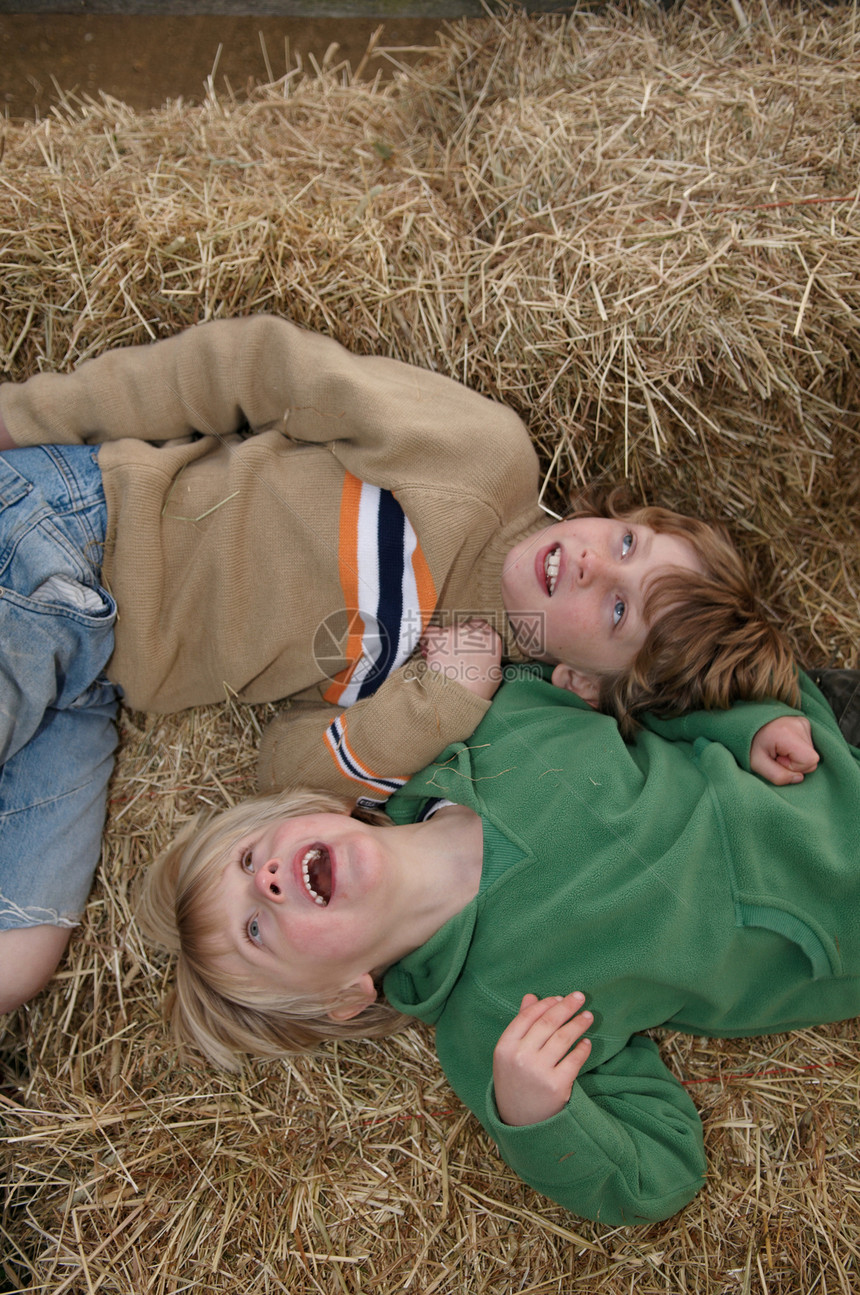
x: 225, y: 453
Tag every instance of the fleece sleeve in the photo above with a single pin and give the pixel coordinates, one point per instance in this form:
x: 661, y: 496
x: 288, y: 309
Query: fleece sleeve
x: 733, y: 728
x: 369, y: 750
x: 627, y: 1148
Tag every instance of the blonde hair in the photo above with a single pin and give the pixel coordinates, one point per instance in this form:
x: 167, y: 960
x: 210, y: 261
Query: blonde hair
x: 710, y: 641
x: 215, y: 1012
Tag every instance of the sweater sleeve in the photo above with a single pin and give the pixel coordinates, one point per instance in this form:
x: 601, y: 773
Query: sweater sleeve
x: 627, y: 1148
x: 371, y: 749
x: 196, y: 381
x: 385, y: 421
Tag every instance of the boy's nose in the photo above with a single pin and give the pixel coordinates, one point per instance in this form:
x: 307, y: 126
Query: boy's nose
x: 268, y: 880
x: 592, y: 566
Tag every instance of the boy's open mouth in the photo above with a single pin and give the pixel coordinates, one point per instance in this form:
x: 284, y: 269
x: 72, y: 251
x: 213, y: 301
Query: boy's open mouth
x: 316, y: 874
x: 551, y: 564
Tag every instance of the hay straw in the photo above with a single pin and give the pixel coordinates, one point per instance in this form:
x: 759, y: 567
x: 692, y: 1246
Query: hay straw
x: 640, y: 229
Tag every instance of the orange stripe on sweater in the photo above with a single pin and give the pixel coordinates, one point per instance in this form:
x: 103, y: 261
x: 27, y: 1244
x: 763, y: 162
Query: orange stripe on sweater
x: 424, y: 585
x: 347, y: 556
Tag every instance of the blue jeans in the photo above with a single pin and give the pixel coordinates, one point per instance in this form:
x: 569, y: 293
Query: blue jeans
x: 57, y: 709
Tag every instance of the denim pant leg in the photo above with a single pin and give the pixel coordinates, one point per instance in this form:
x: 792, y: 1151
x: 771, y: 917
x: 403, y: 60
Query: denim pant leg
x: 57, y: 711
x: 53, y: 797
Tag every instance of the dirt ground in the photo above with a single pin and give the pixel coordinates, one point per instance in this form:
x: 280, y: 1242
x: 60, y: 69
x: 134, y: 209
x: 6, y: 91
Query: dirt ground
x: 146, y: 60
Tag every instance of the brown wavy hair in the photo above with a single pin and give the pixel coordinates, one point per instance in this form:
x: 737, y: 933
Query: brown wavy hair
x: 222, y: 1015
x: 710, y: 643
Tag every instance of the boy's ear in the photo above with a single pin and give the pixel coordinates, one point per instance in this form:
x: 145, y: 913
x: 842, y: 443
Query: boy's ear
x: 585, y: 686
x: 365, y: 994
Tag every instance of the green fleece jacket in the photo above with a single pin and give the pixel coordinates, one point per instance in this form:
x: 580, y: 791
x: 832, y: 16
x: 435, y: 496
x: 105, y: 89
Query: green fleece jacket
x: 664, y: 880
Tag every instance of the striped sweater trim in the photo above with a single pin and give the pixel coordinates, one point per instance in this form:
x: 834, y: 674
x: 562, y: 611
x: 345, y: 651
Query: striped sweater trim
x: 349, y: 764
x: 388, y: 591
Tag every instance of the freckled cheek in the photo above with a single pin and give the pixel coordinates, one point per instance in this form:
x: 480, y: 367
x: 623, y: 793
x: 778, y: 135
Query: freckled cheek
x: 577, y: 624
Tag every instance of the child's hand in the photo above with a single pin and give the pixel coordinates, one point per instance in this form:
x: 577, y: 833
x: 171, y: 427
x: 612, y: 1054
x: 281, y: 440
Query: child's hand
x: 469, y: 653
x: 533, y: 1067
x: 782, y: 751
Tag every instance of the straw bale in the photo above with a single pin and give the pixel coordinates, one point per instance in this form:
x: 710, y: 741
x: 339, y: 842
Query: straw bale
x: 640, y: 229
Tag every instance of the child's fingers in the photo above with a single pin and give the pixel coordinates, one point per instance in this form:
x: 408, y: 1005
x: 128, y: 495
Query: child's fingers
x: 779, y: 773
x: 539, y: 1018
x: 802, y: 757
x: 794, y: 745
x: 776, y: 767
x: 433, y: 640
x: 782, y: 751
x: 481, y: 628
x: 564, y: 1036
x: 798, y: 758
x: 795, y: 764
x: 531, y: 1010
x: 570, y: 1065
x: 547, y: 1014
x: 538, y: 1058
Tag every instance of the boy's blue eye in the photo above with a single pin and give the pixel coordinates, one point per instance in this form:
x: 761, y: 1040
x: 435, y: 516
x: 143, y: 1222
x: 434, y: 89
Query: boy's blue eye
x: 626, y: 544
x: 254, y: 931
x: 618, y: 611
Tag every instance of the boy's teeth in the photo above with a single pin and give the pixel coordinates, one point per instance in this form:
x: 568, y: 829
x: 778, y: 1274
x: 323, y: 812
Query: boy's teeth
x: 551, y: 564
x: 311, y: 857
